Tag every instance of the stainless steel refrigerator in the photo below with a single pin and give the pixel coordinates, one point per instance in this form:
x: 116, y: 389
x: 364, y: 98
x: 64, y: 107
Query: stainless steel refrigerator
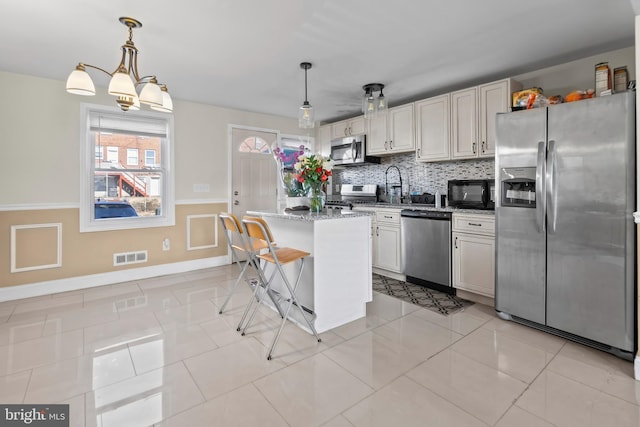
x: 565, y: 235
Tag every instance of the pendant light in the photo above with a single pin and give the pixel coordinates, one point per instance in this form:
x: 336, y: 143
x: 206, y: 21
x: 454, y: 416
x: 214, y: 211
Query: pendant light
x: 370, y: 105
x: 124, y: 79
x: 305, y: 114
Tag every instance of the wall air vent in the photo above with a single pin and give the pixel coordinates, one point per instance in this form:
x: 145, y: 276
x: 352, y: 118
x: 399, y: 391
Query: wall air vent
x: 129, y: 258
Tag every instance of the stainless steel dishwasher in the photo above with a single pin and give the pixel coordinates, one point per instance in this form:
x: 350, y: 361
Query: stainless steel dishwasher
x: 426, y: 248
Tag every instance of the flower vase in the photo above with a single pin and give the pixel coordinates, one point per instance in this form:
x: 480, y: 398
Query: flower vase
x: 317, y: 198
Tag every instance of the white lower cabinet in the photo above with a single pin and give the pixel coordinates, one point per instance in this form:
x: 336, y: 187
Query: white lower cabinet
x: 386, y: 239
x: 474, y: 253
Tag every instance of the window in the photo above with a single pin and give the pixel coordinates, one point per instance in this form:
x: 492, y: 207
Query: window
x: 132, y: 157
x: 144, y: 192
x: 149, y: 158
x: 254, y: 144
x: 112, y: 154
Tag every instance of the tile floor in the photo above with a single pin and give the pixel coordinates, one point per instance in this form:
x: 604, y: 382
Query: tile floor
x: 156, y: 352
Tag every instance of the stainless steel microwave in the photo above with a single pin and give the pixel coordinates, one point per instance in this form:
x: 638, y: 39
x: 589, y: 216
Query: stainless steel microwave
x: 472, y: 193
x: 351, y: 150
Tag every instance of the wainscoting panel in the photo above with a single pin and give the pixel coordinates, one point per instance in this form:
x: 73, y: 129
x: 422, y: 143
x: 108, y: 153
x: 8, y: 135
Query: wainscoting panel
x: 36, y: 247
x: 202, y: 231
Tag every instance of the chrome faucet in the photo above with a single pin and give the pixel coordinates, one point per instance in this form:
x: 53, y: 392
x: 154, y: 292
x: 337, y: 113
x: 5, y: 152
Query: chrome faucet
x: 396, y: 185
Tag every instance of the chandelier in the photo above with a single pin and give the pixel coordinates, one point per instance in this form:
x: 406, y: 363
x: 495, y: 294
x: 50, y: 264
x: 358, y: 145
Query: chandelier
x: 370, y: 105
x: 124, y: 79
x: 305, y: 114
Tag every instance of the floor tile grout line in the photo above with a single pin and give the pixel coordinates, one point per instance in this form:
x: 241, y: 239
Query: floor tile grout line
x: 446, y: 399
x: 26, y: 389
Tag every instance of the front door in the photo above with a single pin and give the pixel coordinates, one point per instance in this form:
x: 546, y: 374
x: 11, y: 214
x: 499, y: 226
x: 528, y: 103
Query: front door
x: 253, y: 170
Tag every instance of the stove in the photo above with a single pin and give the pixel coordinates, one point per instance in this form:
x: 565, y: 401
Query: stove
x: 352, y: 194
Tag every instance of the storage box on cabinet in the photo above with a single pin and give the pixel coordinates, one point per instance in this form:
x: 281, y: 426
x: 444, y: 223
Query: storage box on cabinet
x: 393, y: 132
x: 474, y: 253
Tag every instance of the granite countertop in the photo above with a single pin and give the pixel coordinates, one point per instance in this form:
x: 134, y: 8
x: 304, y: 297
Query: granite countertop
x: 417, y: 206
x: 307, y: 216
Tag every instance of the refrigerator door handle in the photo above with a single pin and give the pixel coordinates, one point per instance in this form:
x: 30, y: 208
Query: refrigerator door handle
x: 552, y: 196
x: 541, y: 172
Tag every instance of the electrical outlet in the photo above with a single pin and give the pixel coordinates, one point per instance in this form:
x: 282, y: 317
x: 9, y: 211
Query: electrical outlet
x: 166, y: 244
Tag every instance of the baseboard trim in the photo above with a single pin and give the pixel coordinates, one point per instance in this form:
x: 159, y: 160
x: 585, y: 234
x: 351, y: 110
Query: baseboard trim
x: 83, y: 282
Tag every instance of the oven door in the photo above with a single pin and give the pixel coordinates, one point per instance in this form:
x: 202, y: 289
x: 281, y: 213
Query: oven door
x: 469, y: 194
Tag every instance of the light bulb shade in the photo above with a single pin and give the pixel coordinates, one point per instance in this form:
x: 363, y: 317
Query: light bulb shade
x: 79, y: 83
x: 151, y: 94
x: 305, y: 116
x: 121, y: 85
x: 369, y: 106
x: 381, y: 103
x: 167, y: 103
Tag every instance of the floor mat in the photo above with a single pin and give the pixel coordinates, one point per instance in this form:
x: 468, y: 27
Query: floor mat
x: 433, y: 300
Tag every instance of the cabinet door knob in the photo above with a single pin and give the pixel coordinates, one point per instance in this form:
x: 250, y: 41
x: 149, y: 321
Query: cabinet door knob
x: 236, y: 202
x: 235, y: 193
x: 391, y: 144
x: 385, y: 145
x: 474, y: 147
x: 455, y: 242
x: 418, y: 152
x: 483, y: 150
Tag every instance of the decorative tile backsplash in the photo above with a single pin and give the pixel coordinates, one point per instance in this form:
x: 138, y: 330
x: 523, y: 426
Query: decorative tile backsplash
x: 416, y: 176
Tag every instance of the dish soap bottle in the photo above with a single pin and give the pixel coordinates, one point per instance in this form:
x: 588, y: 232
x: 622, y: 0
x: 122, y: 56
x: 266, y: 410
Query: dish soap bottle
x: 438, y: 200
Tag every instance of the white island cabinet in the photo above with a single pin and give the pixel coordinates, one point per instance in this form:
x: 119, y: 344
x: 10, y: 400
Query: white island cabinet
x: 336, y: 280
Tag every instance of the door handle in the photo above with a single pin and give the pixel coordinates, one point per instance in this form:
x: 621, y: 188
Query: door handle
x: 418, y: 152
x: 236, y: 202
x: 473, y: 147
x: 455, y: 243
x: 377, y: 231
x: 482, y: 147
x: 552, y: 196
x: 391, y: 144
x: 235, y: 193
x: 475, y: 224
x: 386, y: 145
x: 541, y: 181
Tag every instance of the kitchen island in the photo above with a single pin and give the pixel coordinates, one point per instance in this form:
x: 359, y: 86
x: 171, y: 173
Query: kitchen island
x: 336, y: 280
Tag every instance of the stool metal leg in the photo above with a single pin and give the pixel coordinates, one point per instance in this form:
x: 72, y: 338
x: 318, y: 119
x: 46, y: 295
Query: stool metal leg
x: 292, y: 300
x: 235, y: 285
x: 266, y: 291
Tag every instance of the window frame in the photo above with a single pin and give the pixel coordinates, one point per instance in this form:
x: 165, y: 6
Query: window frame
x: 130, y: 156
x: 146, y: 157
x: 87, y: 170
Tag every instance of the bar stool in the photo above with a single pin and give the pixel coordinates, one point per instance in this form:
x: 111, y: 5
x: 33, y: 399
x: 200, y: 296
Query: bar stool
x: 257, y: 228
x: 233, y: 228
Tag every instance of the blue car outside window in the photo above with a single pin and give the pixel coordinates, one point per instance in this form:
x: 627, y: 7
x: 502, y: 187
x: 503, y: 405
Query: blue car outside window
x: 114, y: 210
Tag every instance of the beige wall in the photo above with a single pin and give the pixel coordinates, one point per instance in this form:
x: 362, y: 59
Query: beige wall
x: 40, y: 173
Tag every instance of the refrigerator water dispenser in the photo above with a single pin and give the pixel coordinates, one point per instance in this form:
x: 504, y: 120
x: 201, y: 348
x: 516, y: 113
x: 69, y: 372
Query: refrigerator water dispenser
x: 518, y: 187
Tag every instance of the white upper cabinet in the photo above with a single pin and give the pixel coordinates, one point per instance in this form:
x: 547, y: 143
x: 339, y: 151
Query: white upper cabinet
x: 432, y: 129
x: 324, y: 140
x: 494, y: 98
x: 392, y: 132
x: 354, y: 126
x: 473, y: 118
x: 464, y: 123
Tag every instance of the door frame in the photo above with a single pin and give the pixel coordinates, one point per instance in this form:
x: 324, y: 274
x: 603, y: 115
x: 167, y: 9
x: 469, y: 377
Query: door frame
x: 230, y: 128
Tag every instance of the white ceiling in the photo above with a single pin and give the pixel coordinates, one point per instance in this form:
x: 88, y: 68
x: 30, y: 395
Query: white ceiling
x: 245, y: 54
